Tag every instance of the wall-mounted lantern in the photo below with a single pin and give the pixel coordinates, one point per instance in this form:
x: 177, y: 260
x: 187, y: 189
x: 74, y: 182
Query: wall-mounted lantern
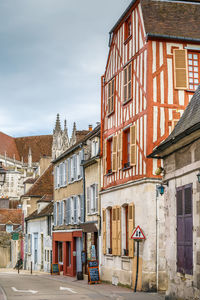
x: 198, y: 177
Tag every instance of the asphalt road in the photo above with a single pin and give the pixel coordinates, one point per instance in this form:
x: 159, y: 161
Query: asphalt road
x: 45, y: 287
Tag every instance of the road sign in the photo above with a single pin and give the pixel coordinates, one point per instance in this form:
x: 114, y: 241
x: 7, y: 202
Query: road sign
x: 138, y: 234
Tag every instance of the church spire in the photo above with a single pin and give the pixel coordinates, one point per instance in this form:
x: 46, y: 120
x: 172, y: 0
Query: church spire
x: 57, y: 126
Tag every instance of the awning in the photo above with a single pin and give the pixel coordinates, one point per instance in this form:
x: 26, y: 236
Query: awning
x: 89, y: 227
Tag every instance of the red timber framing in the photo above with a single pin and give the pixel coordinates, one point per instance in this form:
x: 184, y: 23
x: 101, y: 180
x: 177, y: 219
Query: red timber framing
x: 155, y: 102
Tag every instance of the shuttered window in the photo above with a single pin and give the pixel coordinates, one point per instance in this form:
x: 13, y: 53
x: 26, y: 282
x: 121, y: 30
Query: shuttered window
x: 120, y: 145
x: 105, y: 157
x: 193, y: 70
x: 75, y: 166
x: 82, y: 208
x: 131, y: 225
x: 114, y: 154
x: 114, y: 230
x: 109, y: 155
x: 126, y: 148
x: 180, y: 68
x: 104, y: 230
x: 69, y: 170
x: 184, y: 230
x: 118, y: 220
x: 133, y: 145
x: 127, y: 83
x: 88, y: 200
x: 68, y: 211
x: 75, y: 202
x: 55, y: 214
x: 111, y: 96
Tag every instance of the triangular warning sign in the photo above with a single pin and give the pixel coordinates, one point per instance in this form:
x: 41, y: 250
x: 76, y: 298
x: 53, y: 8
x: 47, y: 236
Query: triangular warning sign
x: 138, y: 234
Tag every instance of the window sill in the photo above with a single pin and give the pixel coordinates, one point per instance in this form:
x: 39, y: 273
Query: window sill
x: 125, y: 258
x: 127, y: 101
x: 126, y: 168
x: 190, y: 91
x: 109, y: 255
x: 110, y: 114
x: 92, y: 214
x: 128, y: 39
x: 185, y: 276
x: 110, y: 173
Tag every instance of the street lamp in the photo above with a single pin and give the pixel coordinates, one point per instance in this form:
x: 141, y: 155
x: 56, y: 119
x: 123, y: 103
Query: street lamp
x: 2, y: 174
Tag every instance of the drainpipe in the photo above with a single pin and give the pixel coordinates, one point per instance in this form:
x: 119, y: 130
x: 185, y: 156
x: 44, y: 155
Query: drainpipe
x: 157, y: 236
x: 83, y: 187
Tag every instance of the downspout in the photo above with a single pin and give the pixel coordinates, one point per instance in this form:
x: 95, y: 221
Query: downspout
x: 83, y: 188
x: 157, y: 237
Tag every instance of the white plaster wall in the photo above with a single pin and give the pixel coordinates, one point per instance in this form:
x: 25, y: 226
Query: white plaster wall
x: 39, y: 226
x: 143, y: 195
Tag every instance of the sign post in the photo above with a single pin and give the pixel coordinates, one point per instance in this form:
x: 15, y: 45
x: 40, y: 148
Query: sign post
x: 138, y: 236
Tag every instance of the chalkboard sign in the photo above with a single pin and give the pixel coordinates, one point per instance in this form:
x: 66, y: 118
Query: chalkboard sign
x: 93, y: 272
x: 55, y: 269
x: 92, y: 263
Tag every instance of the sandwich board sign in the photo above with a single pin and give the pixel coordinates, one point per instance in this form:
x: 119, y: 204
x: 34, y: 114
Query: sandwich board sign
x: 138, y: 234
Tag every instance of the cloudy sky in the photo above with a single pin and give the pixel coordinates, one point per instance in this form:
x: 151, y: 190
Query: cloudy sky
x: 52, y: 56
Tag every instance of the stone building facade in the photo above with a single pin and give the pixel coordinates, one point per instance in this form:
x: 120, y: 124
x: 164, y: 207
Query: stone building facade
x: 181, y: 165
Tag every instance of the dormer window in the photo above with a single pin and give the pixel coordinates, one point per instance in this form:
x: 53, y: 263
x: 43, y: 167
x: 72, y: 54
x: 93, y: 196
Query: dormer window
x: 9, y: 228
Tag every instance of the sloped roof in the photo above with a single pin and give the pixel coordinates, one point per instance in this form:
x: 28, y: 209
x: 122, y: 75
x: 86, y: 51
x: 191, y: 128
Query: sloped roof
x: 178, y: 19
x: 47, y: 211
x: 43, y: 185
x: 40, y: 145
x: 30, y: 180
x: 188, y: 123
x: 170, y: 18
x: 8, y: 145
x: 13, y: 216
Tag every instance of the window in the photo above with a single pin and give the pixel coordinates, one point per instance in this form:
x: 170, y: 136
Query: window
x: 184, y: 230
x: 127, y: 83
x: 193, y: 70
x: 92, y: 199
x: 9, y: 228
x: 111, y: 96
x: 109, y: 231
x: 60, y: 252
x: 128, y: 28
x: 95, y: 147
x: 68, y: 211
x: 126, y: 148
x: 109, y: 155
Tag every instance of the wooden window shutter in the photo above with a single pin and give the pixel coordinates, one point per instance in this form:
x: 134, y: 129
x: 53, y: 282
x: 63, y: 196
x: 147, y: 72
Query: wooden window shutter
x: 131, y: 226
x: 114, y: 154
x: 133, y: 145
x: 55, y: 214
x: 88, y: 200
x: 119, y: 230
x: 104, y: 231
x: 105, y: 158
x: 114, y: 230
x: 180, y: 68
x: 120, y: 147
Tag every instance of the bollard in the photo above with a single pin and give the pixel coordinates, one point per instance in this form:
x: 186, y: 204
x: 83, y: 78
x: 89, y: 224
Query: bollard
x: 31, y: 267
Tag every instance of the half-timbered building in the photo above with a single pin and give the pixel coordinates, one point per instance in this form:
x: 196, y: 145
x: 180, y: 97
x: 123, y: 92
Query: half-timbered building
x: 151, y: 74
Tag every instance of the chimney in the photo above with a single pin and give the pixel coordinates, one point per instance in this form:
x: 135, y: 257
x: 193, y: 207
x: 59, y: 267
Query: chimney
x: 90, y: 127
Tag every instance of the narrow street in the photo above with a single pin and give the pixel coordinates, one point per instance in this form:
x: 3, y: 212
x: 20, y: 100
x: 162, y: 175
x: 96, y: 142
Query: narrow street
x: 45, y: 287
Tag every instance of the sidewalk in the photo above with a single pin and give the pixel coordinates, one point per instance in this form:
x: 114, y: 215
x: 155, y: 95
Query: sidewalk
x: 105, y: 288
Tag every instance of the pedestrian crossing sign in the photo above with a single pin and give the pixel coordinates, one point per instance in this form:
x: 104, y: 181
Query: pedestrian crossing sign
x: 138, y: 234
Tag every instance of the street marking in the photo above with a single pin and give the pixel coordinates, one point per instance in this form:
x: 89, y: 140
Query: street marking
x: 67, y: 289
x: 24, y: 291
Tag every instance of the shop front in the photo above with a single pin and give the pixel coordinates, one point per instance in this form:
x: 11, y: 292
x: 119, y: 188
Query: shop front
x: 67, y: 248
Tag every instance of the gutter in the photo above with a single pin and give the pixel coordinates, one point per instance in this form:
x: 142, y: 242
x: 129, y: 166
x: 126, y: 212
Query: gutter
x: 170, y: 37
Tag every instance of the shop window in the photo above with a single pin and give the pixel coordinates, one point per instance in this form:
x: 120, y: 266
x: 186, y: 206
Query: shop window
x: 193, y: 70
x: 60, y: 252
